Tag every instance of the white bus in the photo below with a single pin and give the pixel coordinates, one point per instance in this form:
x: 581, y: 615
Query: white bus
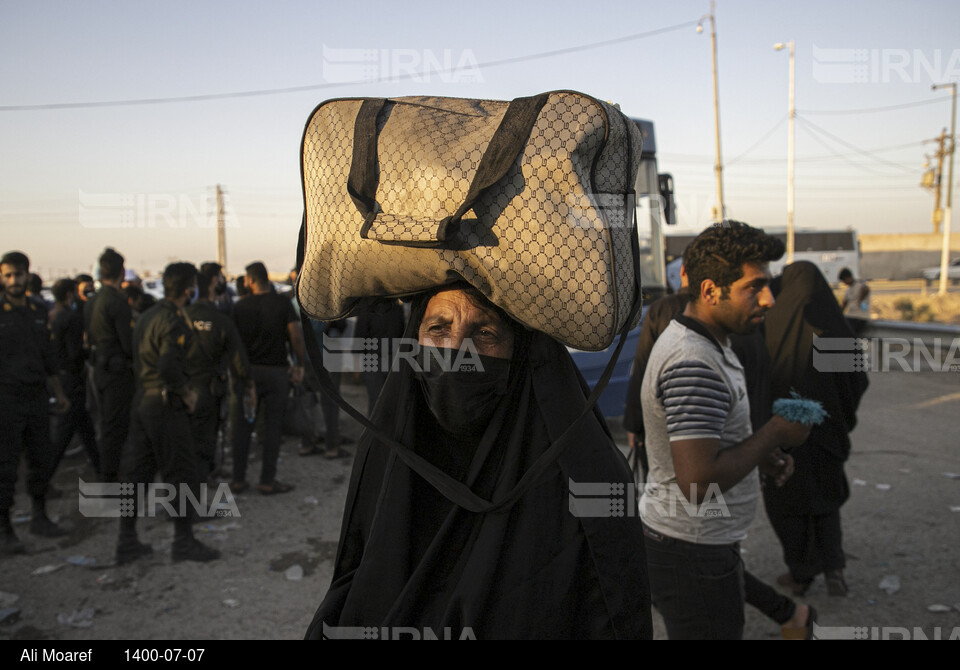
x: 829, y: 250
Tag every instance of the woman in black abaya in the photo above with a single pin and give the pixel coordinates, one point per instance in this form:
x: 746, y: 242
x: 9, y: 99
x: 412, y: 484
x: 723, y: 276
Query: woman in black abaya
x: 415, y: 560
x: 805, y: 512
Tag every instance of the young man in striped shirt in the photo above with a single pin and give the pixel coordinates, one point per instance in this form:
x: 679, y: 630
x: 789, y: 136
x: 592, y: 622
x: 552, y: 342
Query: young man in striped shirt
x: 703, y: 487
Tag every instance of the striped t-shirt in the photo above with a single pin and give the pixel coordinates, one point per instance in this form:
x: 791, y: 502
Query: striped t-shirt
x: 694, y: 388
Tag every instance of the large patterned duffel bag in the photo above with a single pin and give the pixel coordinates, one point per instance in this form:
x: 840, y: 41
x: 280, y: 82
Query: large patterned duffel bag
x: 530, y: 201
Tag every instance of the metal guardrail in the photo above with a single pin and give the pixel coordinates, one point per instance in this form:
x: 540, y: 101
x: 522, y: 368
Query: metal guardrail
x: 910, y: 347
x: 883, y: 328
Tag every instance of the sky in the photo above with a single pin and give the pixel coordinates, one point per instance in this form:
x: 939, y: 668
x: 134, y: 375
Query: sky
x: 118, y: 120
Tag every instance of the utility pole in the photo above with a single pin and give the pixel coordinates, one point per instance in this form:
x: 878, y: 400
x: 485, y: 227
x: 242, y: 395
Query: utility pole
x: 221, y: 231
x: 933, y: 179
x: 718, y: 214
x: 792, y: 110
x: 945, y: 253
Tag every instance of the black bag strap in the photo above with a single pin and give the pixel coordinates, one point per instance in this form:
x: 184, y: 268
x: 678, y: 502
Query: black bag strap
x: 456, y: 491
x: 501, y: 153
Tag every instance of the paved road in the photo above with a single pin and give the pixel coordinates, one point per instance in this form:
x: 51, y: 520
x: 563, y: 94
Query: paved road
x: 903, y: 516
x: 884, y: 286
x: 899, y: 521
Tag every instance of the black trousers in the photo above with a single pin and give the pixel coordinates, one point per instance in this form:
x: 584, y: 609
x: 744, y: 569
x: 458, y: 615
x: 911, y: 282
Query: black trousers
x: 75, y: 421
x: 767, y: 599
x: 25, y: 429
x: 115, y: 392
x: 161, y: 441
x: 812, y: 543
x: 205, y: 426
x: 700, y: 589
x: 272, y: 385
x: 331, y: 412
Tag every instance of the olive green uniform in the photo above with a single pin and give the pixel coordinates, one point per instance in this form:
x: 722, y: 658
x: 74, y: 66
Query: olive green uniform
x: 215, y: 348
x: 109, y: 324
x: 160, y: 425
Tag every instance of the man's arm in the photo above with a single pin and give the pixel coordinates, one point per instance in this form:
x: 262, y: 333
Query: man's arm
x: 123, y: 324
x: 63, y: 403
x: 299, y: 352
x: 700, y: 462
x: 171, y: 360
x: 236, y: 352
x: 697, y: 402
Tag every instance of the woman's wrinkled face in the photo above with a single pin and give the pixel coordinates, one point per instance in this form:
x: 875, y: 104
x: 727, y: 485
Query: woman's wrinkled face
x: 452, y: 318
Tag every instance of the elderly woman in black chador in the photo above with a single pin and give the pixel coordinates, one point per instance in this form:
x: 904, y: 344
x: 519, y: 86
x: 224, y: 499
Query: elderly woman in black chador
x: 462, y: 527
x: 805, y: 512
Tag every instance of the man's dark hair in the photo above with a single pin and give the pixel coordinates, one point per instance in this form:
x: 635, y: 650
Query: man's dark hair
x: 242, y: 289
x: 258, y: 271
x: 63, y: 289
x: 80, y: 278
x: 177, y: 278
x: 719, y: 252
x: 207, y: 274
x: 845, y: 274
x: 133, y: 292
x: 111, y: 264
x: 34, y: 284
x: 17, y: 259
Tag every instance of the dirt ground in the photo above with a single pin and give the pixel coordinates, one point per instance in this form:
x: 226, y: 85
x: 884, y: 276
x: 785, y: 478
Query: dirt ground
x: 902, y: 521
x: 917, y: 307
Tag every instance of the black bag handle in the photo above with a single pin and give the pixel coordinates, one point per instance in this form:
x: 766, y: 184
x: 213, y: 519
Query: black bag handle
x: 506, y: 144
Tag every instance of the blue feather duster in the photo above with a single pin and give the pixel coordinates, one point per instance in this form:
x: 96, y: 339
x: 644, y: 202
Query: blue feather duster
x: 800, y: 410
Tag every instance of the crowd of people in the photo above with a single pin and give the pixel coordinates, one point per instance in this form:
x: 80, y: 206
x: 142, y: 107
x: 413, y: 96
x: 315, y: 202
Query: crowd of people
x: 439, y: 530
x: 148, y: 386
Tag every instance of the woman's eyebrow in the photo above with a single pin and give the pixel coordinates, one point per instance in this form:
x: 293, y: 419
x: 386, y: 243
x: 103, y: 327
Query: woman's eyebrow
x: 438, y: 319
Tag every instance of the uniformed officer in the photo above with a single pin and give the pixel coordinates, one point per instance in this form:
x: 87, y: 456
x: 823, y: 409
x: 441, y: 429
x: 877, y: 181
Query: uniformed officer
x: 28, y: 372
x: 66, y: 333
x: 160, y: 425
x: 109, y: 322
x: 216, y: 347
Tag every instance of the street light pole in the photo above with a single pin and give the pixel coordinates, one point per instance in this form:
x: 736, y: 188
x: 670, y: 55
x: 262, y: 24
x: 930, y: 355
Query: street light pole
x: 718, y: 165
x: 790, y: 147
x: 945, y: 253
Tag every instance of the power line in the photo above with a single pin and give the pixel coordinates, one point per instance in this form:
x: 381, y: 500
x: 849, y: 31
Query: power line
x: 869, y: 110
x: 760, y: 141
x: 699, y: 158
x: 326, y: 85
x: 856, y: 149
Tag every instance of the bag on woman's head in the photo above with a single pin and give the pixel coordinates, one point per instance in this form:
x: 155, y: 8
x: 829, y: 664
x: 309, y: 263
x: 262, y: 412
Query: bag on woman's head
x: 530, y: 201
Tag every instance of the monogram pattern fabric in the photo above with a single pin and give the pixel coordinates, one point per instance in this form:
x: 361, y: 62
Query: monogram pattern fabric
x: 551, y: 242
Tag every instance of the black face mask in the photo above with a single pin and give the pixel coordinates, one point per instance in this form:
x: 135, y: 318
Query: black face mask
x: 463, y: 399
